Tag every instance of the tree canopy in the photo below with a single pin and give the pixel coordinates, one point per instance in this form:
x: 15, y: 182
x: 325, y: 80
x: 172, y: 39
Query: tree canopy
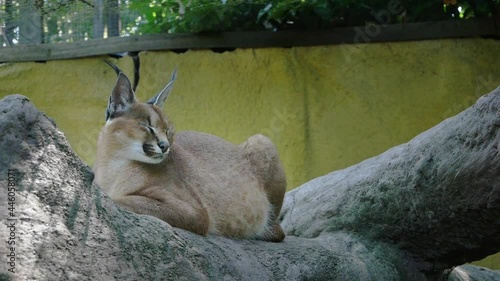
x: 239, y: 15
x: 73, y: 20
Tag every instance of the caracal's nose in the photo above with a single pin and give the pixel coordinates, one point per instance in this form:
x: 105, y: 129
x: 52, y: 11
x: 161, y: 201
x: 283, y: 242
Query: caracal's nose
x: 164, y: 145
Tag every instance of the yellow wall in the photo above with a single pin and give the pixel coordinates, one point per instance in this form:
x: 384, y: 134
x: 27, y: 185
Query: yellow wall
x: 326, y: 107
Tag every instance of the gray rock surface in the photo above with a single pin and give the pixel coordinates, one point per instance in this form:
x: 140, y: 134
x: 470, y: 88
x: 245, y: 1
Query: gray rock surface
x: 437, y: 197
x: 417, y: 209
x: 473, y: 273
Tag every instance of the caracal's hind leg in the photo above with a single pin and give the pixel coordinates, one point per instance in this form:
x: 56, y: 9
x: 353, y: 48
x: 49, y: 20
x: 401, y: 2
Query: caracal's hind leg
x: 264, y: 157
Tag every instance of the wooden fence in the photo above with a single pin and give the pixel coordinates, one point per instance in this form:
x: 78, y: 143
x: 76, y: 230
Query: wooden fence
x: 259, y: 39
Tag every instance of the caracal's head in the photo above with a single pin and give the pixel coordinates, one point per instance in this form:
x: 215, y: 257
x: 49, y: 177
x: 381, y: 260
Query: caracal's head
x: 134, y: 130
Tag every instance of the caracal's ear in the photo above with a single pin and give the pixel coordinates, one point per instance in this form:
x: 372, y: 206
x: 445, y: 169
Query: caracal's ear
x: 122, y: 97
x: 159, y: 99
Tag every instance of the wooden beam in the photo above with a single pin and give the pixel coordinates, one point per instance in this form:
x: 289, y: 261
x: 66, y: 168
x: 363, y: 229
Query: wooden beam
x: 256, y: 39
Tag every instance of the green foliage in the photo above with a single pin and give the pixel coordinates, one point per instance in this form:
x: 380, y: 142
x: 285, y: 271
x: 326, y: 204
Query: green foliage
x: 61, y: 21
x: 194, y: 16
x: 66, y: 21
x: 74, y: 20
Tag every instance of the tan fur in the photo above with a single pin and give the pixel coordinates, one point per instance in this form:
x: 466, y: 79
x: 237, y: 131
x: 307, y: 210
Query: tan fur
x: 204, y: 184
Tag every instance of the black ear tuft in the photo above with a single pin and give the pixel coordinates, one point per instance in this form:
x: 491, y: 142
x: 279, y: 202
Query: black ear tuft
x: 116, y: 68
x: 108, y: 111
x: 159, y: 99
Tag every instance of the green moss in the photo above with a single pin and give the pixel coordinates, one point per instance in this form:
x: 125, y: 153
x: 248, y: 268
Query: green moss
x: 73, y: 213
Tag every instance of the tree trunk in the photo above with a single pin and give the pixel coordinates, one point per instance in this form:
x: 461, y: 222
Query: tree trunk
x: 113, y: 18
x: 98, y: 19
x: 9, y: 23
x: 30, y: 23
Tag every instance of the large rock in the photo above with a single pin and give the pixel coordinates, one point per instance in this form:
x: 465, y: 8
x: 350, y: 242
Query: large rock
x: 436, y: 198
x: 433, y: 201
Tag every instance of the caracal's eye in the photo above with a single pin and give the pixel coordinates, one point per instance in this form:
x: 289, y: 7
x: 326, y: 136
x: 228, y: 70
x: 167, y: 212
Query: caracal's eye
x: 151, y: 130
